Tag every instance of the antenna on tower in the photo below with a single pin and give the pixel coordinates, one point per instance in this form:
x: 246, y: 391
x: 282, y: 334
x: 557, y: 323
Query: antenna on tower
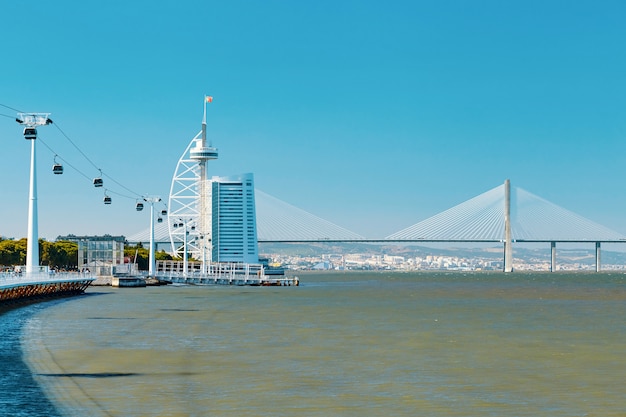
x: 207, y: 99
x: 201, y: 152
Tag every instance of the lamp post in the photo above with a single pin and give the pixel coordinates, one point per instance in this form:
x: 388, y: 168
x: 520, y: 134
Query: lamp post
x: 184, y: 223
x: 31, y: 121
x: 204, y: 265
x: 151, y: 200
x: 185, y: 261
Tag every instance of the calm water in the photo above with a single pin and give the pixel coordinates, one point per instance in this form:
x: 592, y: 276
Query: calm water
x: 368, y: 344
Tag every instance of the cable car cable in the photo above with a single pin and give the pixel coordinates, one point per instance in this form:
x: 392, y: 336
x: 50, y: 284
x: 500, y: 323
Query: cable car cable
x: 11, y: 108
x: 65, y: 161
x: 83, y: 154
x: 123, y: 186
x: 120, y: 194
x: 89, y: 178
x: 75, y: 146
x: 93, y: 164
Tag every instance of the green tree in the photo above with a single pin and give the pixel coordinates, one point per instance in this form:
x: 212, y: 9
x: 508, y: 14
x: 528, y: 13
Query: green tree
x: 140, y: 253
x: 13, y: 252
x: 63, y: 255
x: 59, y: 255
x: 162, y: 256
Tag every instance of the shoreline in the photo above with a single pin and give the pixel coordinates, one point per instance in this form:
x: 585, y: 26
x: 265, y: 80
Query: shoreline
x: 17, y: 376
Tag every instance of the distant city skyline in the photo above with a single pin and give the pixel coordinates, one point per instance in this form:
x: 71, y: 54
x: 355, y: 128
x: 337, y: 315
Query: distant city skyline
x: 351, y: 111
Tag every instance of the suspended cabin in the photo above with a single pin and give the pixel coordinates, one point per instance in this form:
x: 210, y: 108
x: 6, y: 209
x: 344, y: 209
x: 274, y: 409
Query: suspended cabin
x: 163, y: 212
x: 30, y: 133
x: 97, y: 182
x: 57, y: 168
x: 139, y: 206
x: 107, y: 199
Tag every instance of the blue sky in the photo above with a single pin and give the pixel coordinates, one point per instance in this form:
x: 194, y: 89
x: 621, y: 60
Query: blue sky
x: 372, y: 115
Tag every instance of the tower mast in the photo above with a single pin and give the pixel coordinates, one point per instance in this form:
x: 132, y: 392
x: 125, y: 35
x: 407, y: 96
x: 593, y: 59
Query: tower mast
x: 508, y: 249
x: 204, y: 153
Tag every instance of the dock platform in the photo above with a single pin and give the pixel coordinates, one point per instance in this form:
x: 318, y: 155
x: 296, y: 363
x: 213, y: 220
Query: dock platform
x: 264, y: 281
x: 221, y: 273
x: 18, y: 287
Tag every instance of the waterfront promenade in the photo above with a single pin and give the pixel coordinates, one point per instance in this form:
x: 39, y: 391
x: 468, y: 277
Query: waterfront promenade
x: 15, y: 287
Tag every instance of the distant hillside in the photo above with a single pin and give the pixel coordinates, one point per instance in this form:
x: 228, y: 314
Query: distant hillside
x: 583, y: 256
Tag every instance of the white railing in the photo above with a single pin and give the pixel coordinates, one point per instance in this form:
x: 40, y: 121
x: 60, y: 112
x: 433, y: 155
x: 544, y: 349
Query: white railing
x: 22, y: 278
x: 214, y: 270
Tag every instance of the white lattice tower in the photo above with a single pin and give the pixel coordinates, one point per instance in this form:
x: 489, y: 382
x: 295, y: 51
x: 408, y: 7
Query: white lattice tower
x: 190, y: 196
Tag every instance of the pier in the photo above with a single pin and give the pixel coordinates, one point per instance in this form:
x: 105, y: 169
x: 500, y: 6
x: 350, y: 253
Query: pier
x: 232, y: 280
x: 16, y: 287
x: 222, y: 273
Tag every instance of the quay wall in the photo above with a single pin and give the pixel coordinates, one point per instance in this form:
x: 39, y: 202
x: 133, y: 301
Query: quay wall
x: 14, y: 289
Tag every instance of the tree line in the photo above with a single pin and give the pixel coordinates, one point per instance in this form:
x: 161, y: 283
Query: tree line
x: 63, y: 255
x: 140, y: 255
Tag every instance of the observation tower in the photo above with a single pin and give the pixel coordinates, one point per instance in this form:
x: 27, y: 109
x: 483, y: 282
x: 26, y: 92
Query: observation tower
x: 189, y: 218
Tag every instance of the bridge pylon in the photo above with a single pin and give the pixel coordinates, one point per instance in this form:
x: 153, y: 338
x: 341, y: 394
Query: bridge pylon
x: 508, y: 248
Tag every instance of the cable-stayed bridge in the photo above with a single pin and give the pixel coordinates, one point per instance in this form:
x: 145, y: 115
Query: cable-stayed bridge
x: 503, y: 214
x: 278, y: 221
x: 482, y: 219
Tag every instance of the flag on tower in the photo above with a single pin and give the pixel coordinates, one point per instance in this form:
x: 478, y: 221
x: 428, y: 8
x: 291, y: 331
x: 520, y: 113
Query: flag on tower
x: 209, y: 99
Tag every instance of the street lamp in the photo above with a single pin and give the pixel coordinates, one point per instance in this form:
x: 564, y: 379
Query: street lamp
x: 184, y: 223
x: 202, y: 238
x: 139, y: 207
x: 31, y: 121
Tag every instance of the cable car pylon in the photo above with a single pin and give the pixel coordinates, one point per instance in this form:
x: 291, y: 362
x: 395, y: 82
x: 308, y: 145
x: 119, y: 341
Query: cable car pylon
x: 30, y: 122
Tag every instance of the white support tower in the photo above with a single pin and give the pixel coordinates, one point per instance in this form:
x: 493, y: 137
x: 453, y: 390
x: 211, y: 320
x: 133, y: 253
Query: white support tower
x: 508, y: 248
x: 151, y: 200
x: 189, y: 194
x: 31, y: 121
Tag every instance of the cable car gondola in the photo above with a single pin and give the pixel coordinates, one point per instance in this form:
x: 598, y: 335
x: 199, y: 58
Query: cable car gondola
x: 97, y: 182
x: 30, y: 133
x: 139, y: 206
x: 107, y: 199
x: 57, y: 168
x: 159, y: 220
x: 163, y: 212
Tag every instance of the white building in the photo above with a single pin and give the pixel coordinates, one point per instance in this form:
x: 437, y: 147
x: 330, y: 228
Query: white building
x: 233, y: 219
x: 101, y: 255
